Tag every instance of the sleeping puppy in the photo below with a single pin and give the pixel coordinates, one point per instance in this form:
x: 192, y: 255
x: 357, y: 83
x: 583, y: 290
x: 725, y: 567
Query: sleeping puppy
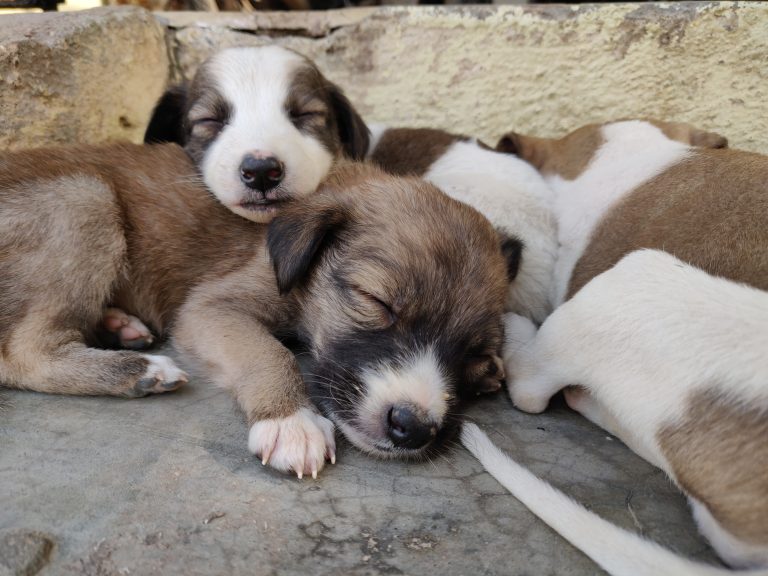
x: 668, y: 354
x: 396, y: 290
x: 505, y: 189
x: 262, y: 125
x: 672, y: 361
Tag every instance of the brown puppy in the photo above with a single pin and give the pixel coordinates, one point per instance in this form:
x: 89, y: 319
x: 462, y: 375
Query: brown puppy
x: 396, y: 290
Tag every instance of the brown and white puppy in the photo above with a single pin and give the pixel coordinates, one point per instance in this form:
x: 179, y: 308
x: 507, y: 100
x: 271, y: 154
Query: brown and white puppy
x: 262, y: 124
x: 505, y: 189
x: 668, y: 349
x: 396, y: 290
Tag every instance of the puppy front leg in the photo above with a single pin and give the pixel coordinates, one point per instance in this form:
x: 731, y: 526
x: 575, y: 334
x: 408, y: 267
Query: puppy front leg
x: 535, y: 362
x: 239, y: 353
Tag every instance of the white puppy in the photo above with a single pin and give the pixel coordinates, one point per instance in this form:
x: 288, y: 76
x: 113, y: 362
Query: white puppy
x: 674, y: 362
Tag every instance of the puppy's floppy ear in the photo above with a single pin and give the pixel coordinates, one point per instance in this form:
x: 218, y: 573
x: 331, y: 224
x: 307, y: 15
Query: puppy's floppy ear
x: 512, y: 250
x: 297, y: 238
x: 705, y: 139
x: 533, y: 150
x: 353, y: 132
x: 167, y: 122
x: 510, y: 143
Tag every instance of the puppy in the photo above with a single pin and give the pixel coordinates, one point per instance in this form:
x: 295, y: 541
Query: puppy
x: 262, y: 125
x: 672, y: 361
x: 396, y: 290
x: 639, y: 168
x: 642, y: 188
x: 511, y: 194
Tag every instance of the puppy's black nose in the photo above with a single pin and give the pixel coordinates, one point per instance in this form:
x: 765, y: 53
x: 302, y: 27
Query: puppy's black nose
x: 261, y: 173
x: 407, y: 429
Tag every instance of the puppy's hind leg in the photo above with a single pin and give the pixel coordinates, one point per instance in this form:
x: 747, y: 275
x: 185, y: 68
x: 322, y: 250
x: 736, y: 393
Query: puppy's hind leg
x: 62, y: 250
x: 61, y: 363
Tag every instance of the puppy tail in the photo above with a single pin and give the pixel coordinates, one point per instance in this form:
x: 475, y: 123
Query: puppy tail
x: 618, y: 551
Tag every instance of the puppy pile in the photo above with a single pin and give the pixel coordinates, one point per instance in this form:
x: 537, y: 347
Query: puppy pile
x: 661, y: 335
x: 625, y: 264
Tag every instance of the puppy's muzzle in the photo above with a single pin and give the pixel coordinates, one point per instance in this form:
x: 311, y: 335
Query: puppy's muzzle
x: 261, y: 173
x: 409, y: 428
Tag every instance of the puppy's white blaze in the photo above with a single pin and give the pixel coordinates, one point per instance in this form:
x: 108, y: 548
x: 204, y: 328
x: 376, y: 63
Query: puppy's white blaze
x: 256, y: 85
x: 418, y: 381
x: 618, y: 551
x: 517, y: 201
x: 632, y: 153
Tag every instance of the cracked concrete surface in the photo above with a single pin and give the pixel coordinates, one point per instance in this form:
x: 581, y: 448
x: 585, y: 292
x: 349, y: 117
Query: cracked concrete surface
x: 165, y: 485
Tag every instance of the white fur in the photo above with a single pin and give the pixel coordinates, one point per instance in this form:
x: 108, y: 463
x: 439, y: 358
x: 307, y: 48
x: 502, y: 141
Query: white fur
x: 516, y: 200
x: 418, y: 381
x: 163, y: 370
x: 255, y: 82
x: 300, y: 442
x: 642, y: 338
x: 618, y: 551
x: 632, y: 153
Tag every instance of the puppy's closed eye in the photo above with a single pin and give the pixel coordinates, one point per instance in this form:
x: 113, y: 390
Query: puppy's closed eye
x: 207, y: 127
x: 373, y: 310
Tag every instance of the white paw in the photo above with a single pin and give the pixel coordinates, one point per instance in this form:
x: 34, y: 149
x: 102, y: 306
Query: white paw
x: 162, y: 375
x: 300, y: 442
x: 131, y: 332
x: 520, y: 366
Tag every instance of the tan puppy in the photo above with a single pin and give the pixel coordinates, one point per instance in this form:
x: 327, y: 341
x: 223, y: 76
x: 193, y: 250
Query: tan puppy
x: 669, y: 354
x: 396, y: 290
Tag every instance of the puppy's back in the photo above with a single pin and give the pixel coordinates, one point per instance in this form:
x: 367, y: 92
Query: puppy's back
x: 710, y: 210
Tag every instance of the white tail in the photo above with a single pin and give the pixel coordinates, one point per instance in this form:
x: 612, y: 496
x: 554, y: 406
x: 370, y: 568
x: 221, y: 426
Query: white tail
x: 617, y: 551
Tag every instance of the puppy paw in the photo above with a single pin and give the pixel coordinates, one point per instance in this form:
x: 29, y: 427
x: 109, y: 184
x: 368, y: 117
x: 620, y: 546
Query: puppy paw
x: 485, y: 375
x: 162, y: 375
x: 300, y: 442
x: 131, y: 333
x: 525, y: 384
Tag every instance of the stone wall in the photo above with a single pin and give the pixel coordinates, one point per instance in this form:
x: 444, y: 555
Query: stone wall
x: 480, y: 70
x: 79, y: 76
x: 483, y: 70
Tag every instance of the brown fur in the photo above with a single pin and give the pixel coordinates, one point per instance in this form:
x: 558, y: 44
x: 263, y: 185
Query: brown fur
x: 688, y: 134
x: 719, y: 455
x: 132, y: 227
x: 570, y: 155
x: 548, y: 155
x: 710, y: 210
x: 411, y: 151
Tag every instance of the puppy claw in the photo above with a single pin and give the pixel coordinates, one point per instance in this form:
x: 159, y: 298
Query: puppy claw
x: 298, y: 443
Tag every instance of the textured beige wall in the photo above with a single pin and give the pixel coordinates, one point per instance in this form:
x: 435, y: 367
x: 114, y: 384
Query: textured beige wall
x: 79, y: 77
x: 538, y: 69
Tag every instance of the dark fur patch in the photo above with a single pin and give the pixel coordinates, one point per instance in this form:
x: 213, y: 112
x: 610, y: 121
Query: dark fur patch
x: 295, y: 240
x: 167, y: 121
x: 411, y: 151
x: 319, y: 108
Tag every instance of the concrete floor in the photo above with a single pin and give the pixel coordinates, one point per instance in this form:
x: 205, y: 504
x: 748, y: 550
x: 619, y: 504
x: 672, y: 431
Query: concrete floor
x: 165, y: 485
